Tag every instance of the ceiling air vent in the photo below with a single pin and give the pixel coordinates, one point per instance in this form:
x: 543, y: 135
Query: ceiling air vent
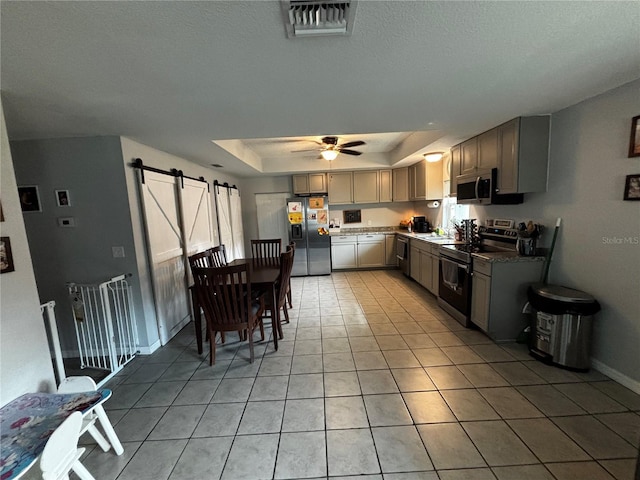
x: 308, y: 18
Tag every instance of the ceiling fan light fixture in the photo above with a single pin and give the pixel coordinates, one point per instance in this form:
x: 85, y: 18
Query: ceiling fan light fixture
x: 433, y: 156
x: 329, y: 154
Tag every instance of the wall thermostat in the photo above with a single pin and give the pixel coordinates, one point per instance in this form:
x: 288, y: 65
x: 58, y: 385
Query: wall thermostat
x: 66, y: 222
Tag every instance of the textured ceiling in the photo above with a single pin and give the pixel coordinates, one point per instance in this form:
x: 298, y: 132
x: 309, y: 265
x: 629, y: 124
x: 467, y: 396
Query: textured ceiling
x: 176, y: 75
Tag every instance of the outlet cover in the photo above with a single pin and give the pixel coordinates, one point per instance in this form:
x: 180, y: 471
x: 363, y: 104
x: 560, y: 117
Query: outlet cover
x: 118, y: 252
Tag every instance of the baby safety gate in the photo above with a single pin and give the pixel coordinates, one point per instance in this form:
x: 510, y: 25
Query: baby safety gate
x: 105, y: 324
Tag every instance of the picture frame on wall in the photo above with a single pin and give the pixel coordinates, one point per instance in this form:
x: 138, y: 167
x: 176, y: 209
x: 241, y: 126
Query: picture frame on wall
x: 634, y: 142
x: 62, y: 198
x: 632, y: 187
x: 29, y: 198
x: 6, y: 257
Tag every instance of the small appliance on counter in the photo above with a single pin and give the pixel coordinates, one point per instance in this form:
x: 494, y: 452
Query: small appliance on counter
x: 420, y: 225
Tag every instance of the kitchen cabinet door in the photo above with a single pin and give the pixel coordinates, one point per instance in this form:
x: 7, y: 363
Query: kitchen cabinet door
x: 420, y: 189
x: 340, y: 188
x: 435, y: 274
x: 386, y: 192
x: 425, y: 271
x: 433, y: 181
x: 366, y: 187
x: 401, y: 184
x: 317, y: 183
x: 469, y: 156
x: 371, y: 254
x: 455, y: 170
x: 508, y: 157
x: 300, y: 184
x: 480, y: 300
x: 344, y: 255
x: 390, y: 250
x: 414, y: 258
x: 488, y: 149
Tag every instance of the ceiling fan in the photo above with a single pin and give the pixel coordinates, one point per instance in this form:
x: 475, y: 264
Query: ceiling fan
x: 329, y: 148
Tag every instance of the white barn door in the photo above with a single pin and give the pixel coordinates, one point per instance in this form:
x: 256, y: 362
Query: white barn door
x: 166, y: 254
x: 195, y: 207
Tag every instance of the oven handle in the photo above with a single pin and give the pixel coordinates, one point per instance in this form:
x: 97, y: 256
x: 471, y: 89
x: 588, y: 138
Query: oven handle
x: 460, y: 265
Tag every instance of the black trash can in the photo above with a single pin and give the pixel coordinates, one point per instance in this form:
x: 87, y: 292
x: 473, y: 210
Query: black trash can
x: 561, y: 325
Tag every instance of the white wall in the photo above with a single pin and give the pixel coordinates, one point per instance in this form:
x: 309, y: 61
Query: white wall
x: 587, y: 169
x: 165, y: 161
x: 25, y: 364
x: 91, y: 169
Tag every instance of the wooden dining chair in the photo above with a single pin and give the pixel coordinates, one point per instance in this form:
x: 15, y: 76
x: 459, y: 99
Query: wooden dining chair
x: 292, y: 246
x: 218, y: 256
x: 228, y: 303
x: 266, y: 250
x: 286, y: 265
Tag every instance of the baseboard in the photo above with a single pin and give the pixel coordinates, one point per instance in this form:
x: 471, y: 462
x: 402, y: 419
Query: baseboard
x: 150, y: 349
x: 622, y: 379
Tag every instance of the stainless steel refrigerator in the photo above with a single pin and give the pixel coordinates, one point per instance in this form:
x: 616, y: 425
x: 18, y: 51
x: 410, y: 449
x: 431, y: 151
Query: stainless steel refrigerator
x: 309, y: 229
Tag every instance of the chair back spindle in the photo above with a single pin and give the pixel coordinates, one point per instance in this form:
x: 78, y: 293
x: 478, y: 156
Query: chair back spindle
x: 266, y: 250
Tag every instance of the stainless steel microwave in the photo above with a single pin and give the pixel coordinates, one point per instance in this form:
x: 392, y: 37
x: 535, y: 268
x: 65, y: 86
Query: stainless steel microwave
x: 476, y: 188
x: 480, y: 188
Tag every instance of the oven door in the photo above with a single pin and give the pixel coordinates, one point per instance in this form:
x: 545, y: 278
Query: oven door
x: 455, y: 287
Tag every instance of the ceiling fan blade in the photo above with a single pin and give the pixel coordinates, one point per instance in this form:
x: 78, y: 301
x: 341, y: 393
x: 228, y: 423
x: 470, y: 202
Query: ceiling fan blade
x: 350, y: 152
x: 352, y: 144
x: 307, y: 150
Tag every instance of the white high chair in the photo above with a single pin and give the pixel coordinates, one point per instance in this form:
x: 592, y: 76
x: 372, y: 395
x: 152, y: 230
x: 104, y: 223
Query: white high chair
x: 61, y: 453
x: 86, y: 384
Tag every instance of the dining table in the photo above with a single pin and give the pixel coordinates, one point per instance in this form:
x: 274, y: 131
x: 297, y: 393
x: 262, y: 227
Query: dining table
x: 27, y: 422
x: 265, y: 273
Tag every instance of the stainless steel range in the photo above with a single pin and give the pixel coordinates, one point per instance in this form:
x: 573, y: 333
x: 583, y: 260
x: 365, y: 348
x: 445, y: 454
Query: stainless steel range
x: 454, y: 291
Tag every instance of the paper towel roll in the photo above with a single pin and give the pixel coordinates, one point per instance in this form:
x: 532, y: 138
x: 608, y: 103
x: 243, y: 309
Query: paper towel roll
x: 434, y: 204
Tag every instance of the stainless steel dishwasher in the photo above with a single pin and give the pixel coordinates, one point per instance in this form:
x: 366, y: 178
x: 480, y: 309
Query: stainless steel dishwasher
x: 402, y: 253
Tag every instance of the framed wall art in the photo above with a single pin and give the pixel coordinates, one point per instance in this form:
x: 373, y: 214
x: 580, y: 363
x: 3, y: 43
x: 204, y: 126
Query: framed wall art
x: 62, y: 198
x: 29, y: 198
x: 634, y: 142
x: 6, y: 258
x: 632, y: 187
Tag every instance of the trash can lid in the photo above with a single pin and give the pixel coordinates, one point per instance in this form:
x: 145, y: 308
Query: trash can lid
x: 564, y: 294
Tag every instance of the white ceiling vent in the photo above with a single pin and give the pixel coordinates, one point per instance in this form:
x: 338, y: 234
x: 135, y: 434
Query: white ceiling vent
x: 307, y: 18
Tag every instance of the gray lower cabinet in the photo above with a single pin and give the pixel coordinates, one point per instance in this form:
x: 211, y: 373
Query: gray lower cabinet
x: 344, y: 252
x: 390, y: 249
x: 498, y: 293
x: 371, y: 251
x: 424, y: 263
x: 358, y: 251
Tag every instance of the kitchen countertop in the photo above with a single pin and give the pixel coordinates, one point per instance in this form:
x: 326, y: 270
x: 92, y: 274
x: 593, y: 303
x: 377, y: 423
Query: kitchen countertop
x: 507, y: 257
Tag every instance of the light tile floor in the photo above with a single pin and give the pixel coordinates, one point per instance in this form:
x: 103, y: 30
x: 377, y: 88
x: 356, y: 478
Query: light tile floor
x: 372, y: 378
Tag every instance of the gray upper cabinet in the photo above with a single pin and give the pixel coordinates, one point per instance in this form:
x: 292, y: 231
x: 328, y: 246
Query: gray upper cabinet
x: 469, y: 156
x: 318, y: 183
x: 366, y: 187
x: 518, y: 148
x: 523, y: 155
x: 386, y: 192
x: 425, y: 181
x: 340, y: 188
x: 300, y: 184
x: 401, y: 184
x: 488, y: 149
x: 455, y: 170
x: 307, y: 183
